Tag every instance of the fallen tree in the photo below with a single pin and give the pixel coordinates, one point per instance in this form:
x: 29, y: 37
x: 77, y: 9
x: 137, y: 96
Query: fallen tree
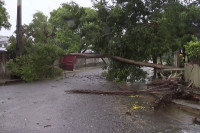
x: 163, y: 90
x: 132, y: 62
x: 117, y: 92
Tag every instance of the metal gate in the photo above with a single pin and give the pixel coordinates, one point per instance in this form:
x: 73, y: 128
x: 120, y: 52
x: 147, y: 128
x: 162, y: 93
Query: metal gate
x: 67, y: 62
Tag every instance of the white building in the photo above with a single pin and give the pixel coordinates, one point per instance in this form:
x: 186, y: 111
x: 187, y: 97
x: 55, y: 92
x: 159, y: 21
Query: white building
x: 3, y: 43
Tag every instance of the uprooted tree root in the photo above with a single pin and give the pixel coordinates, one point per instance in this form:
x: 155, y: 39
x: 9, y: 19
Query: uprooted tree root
x: 177, y: 90
x: 164, y: 90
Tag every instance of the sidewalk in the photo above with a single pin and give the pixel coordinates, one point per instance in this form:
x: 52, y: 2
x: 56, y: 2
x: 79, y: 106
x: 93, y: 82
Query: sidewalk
x: 8, y: 81
x: 188, y: 105
x: 64, y: 74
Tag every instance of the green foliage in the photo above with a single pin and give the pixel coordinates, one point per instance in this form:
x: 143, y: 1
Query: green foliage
x: 39, y: 28
x: 38, y: 31
x: 126, y: 33
x: 168, y: 58
x: 4, y: 17
x: 193, y: 50
x: 67, y: 40
x: 37, y: 63
x: 76, y: 28
x: 39, y: 51
x: 122, y: 72
x: 143, y: 30
x: 11, y: 49
x: 65, y: 22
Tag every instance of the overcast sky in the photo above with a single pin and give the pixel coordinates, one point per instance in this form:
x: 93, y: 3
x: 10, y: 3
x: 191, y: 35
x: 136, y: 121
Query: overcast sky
x: 29, y: 7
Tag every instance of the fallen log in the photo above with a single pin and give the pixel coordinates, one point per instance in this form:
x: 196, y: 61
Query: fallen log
x: 168, y: 94
x: 132, y: 62
x: 139, y: 63
x: 116, y: 92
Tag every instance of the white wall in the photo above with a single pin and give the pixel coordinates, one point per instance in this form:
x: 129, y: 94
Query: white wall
x: 86, y: 62
x: 192, y: 74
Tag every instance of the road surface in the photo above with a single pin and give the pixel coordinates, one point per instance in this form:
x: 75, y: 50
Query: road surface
x: 45, y: 107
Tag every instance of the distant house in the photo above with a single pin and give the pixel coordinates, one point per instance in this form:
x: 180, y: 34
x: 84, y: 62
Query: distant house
x: 4, y: 42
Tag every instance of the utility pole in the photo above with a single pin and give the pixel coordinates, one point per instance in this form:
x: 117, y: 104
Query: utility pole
x: 19, y: 46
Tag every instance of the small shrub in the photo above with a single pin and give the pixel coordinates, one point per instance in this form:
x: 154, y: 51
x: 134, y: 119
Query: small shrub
x: 37, y: 63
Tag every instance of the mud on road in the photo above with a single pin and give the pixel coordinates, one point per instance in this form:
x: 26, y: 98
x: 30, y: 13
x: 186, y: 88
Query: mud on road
x: 45, y: 107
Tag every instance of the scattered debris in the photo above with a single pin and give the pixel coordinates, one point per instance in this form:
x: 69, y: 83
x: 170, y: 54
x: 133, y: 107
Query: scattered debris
x: 196, y: 121
x: 47, y: 126
x: 136, y: 107
x: 128, y: 113
x: 135, y: 96
x: 164, y: 91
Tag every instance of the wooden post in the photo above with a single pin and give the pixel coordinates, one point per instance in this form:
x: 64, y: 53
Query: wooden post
x: 177, y: 59
x: 186, y: 59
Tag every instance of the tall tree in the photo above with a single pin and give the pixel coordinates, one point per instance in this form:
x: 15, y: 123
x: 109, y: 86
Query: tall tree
x: 65, y: 21
x: 76, y: 28
x: 144, y: 30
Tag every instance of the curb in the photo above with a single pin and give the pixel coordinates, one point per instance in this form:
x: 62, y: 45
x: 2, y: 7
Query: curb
x: 11, y: 81
x: 189, y: 106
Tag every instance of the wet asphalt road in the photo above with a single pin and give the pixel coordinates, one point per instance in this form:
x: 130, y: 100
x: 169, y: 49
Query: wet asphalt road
x: 45, y: 107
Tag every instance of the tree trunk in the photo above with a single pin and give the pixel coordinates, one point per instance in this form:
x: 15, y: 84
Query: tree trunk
x: 128, y: 61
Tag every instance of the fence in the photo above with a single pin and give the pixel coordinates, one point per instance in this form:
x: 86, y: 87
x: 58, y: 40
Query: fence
x: 192, y: 74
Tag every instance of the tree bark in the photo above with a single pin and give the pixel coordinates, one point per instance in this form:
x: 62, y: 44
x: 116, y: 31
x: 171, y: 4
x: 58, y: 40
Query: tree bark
x: 128, y: 61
